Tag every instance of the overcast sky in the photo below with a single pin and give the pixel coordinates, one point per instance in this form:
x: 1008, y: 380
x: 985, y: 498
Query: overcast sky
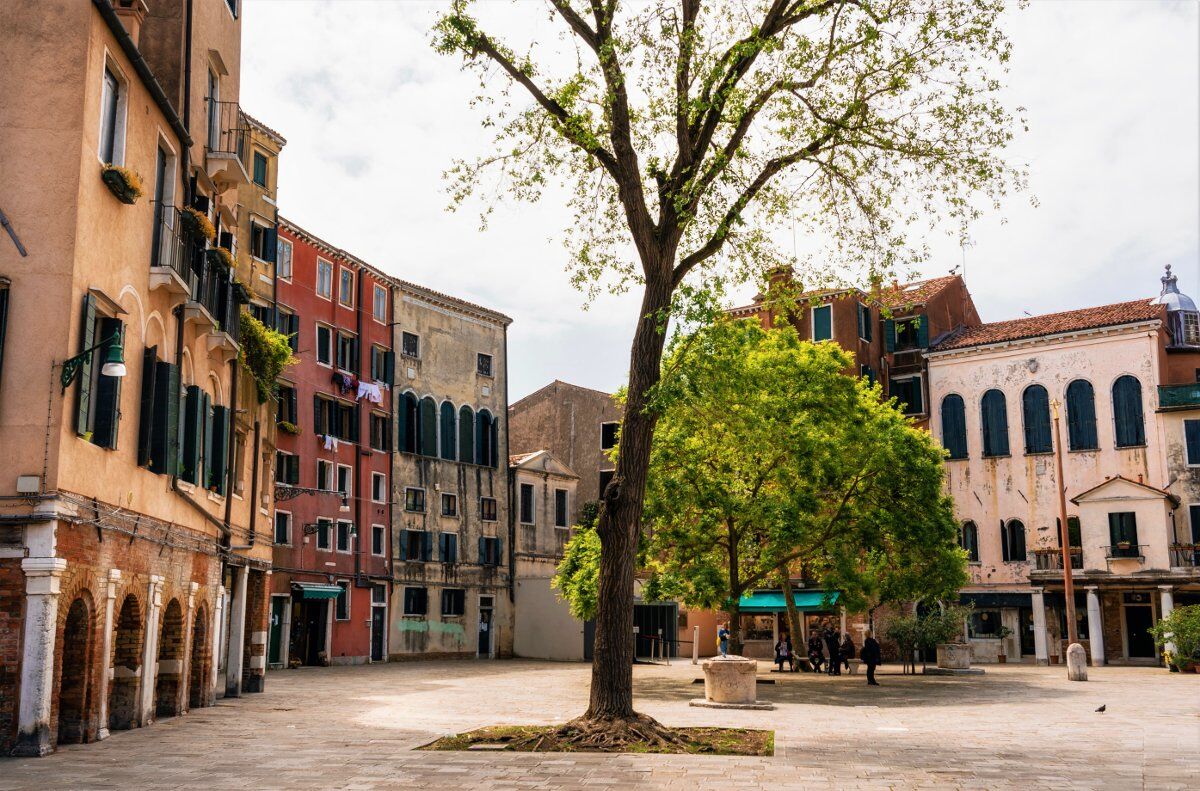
x: 373, y: 116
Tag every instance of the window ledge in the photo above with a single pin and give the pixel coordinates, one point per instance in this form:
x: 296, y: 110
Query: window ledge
x: 1001, y: 456
x: 1039, y: 453
x: 1130, y: 447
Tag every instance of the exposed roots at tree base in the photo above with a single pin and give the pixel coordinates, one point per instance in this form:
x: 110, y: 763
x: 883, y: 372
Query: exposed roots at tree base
x: 608, y: 734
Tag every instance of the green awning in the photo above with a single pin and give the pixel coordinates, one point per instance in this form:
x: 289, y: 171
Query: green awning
x: 773, y: 601
x: 316, y: 590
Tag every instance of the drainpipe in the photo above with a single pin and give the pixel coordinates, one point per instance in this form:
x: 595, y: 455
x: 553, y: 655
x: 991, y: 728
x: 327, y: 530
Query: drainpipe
x: 230, y: 456
x: 254, y: 458
x: 512, y: 525
x: 358, y: 452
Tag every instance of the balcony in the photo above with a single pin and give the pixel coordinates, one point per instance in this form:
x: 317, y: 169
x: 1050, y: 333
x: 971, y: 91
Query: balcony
x: 214, y: 303
x: 170, y: 265
x: 1185, y: 556
x: 1179, y: 396
x: 1051, y: 559
x: 227, y: 145
x: 1125, y: 552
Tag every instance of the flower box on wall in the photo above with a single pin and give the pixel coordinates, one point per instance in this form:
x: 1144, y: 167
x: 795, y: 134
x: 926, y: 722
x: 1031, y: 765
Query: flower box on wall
x: 122, y: 182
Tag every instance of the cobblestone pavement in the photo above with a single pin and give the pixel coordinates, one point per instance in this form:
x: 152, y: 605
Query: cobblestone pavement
x: 356, y: 727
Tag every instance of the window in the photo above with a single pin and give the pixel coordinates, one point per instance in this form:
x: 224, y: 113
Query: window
x: 427, y: 423
x: 283, y: 528
x: 378, y: 487
x: 560, y: 508
x: 486, y: 439
x: 868, y: 373
x: 448, y: 547
x: 1081, y: 416
x: 379, y: 303
x: 1035, y: 411
x: 262, y: 242
x: 288, y: 323
x: 416, y: 545
x: 4, y: 326
x: 489, y: 551
x: 449, y: 504
x: 968, y: 539
x: 260, y: 169
x: 822, y: 323
x: 378, y: 537
x: 344, y: 531
x: 408, y: 413
x: 347, y: 352
x: 466, y: 434
x: 324, y: 279
x: 341, y: 610
x: 416, y: 601
x: 994, y: 417
x: 324, y: 528
x: 410, y: 345
x: 1194, y: 516
x: 1191, y: 439
x: 985, y: 623
x: 1073, y: 533
x: 233, y: 7
x: 414, y: 500
x: 483, y: 364
x: 454, y: 602
x: 1127, y: 412
x: 287, y: 468
x: 908, y: 392
x: 527, y: 503
x: 346, y: 288
x: 1189, y: 323
x: 345, y: 480
x: 609, y: 433
x: 214, y: 111
x: 112, y: 118
x: 954, y: 426
x: 905, y: 335
x: 487, y: 509
x: 449, y: 430
x: 260, y: 312
x: 605, y: 477
x: 324, y: 475
x: 864, y: 322
x: 98, y: 403
x: 1122, y: 530
x: 324, y: 345
x: 1012, y: 540
x: 381, y: 432
x: 283, y: 259
x: 335, y: 419
x: 382, y: 365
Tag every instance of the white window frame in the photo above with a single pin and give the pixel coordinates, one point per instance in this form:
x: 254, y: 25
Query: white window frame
x: 812, y: 322
x: 376, y: 477
x: 442, y: 511
x: 382, y: 543
x: 925, y: 407
x: 532, y: 503
x: 345, y: 270
x: 862, y: 324
x: 275, y: 527
x: 330, y: 479
x: 279, y: 244
x: 317, y: 535
x: 317, y: 283
x: 122, y: 114
x: 349, y: 490
x: 317, y: 325
x: 378, y: 292
x: 337, y: 527
x: 345, y: 585
x: 424, y: 499
x: 263, y: 228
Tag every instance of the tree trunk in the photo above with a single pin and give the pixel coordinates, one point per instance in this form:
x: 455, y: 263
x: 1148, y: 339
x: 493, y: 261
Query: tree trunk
x: 792, y: 613
x: 620, y: 521
x: 735, y: 624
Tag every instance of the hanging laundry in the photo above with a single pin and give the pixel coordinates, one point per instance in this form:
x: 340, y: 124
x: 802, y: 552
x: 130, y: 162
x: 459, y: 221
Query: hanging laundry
x: 331, y: 442
x: 343, y: 382
x: 370, y: 392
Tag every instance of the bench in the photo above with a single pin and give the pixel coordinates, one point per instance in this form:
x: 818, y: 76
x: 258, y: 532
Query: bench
x: 854, y: 663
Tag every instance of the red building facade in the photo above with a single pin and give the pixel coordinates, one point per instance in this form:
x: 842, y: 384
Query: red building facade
x: 331, y: 583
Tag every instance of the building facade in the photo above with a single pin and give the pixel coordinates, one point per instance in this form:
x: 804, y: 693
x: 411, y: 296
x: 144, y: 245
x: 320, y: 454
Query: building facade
x: 132, y: 576
x: 452, y: 561
x: 1104, y: 370
x: 332, y: 520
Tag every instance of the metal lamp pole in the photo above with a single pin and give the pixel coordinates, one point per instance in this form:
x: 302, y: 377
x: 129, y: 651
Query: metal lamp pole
x: 1064, y: 533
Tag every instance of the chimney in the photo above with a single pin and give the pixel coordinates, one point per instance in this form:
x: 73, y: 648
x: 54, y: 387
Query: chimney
x: 132, y: 14
x: 1140, y: 478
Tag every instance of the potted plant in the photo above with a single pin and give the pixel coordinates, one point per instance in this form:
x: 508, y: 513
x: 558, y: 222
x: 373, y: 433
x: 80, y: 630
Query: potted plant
x: 288, y: 428
x: 1003, y: 633
x: 219, y: 255
x: 122, y: 182
x: 1182, y: 630
x: 196, y: 225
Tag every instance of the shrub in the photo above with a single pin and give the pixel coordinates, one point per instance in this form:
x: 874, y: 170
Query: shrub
x: 1181, y: 628
x: 265, y: 353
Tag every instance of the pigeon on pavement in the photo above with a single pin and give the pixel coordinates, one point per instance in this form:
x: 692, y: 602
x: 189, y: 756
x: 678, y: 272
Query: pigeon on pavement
x: 1102, y: 708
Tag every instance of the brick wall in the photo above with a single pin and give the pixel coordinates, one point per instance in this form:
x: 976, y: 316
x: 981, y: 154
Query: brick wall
x: 12, y: 587
x: 258, y: 599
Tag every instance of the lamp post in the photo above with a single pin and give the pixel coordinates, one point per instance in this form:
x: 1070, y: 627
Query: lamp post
x: 114, y: 360
x: 1064, y: 538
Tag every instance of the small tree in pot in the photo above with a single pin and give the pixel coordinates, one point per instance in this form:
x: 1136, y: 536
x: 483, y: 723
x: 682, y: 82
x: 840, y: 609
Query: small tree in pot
x: 1182, y: 630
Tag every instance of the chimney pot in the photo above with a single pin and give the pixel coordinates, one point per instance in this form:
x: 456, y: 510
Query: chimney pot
x: 132, y: 14
x: 1140, y: 479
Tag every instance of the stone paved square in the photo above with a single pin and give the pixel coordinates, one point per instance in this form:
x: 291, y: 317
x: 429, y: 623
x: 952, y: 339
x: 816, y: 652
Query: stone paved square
x: 1018, y: 727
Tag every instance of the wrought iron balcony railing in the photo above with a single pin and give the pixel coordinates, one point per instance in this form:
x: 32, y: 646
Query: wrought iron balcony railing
x: 1051, y: 559
x: 227, y: 131
x: 1185, y: 556
x: 169, y: 247
x: 1125, y: 552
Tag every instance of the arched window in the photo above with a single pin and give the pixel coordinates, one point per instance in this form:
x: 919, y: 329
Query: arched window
x: 466, y: 434
x: 1012, y: 540
x: 449, y: 435
x: 485, y: 439
x: 968, y: 539
x: 994, y: 417
x: 1035, y: 410
x: 1081, y: 416
x: 428, y: 424
x: 1127, y: 412
x: 406, y: 420
x: 954, y: 426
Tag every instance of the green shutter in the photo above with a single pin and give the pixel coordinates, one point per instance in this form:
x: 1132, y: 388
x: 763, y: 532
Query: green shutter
x: 822, y: 322
x: 923, y: 333
x: 889, y: 334
x: 84, y: 393
x: 164, y: 434
x: 389, y: 367
x: 482, y: 551
x: 107, y: 417
x: 426, y: 545
x: 466, y: 435
x: 206, y: 415
x: 219, y: 468
x: 193, y: 435
x: 146, y: 407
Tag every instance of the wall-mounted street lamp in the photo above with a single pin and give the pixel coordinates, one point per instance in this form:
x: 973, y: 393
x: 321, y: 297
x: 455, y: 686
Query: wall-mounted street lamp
x: 114, y: 361
x: 285, y: 492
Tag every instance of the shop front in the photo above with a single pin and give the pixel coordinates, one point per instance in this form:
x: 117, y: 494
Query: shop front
x: 764, y: 618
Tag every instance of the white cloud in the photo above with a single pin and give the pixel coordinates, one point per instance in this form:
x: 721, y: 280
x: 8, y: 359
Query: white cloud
x: 373, y: 116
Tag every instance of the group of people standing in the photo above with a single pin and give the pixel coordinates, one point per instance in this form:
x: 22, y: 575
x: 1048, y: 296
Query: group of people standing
x: 830, y: 652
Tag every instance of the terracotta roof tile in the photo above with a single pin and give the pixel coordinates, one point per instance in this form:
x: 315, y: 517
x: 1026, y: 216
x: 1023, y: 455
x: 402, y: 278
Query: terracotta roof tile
x: 914, y: 293
x: 1052, y: 324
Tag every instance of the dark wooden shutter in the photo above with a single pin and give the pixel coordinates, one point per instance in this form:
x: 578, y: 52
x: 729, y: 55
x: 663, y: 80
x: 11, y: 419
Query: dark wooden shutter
x: 923, y: 332
x: 270, y: 242
x: 164, y: 436
x: 1035, y: 408
x: 1191, y: 433
x: 499, y: 551
x: 404, y: 545
x: 220, y: 449
x: 206, y: 433
x: 426, y: 545
x: 1005, y: 549
x: 889, y: 334
x: 107, y: 404
x: 995, y: 424
x: 482, y: 551
x: 318, y: 415
x: 389, y: 367
x: 466, y: 435
x: 954, y: 426
x: 83, y: 393
x: 355, y: 423
x: 1127, y: 412
x: 146, y: 406
x: 1081, y: 416
x: 193, y: 434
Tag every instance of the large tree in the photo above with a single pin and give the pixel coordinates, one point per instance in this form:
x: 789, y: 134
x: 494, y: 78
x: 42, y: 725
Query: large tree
x: 768, y: 459
x: 688, y: 132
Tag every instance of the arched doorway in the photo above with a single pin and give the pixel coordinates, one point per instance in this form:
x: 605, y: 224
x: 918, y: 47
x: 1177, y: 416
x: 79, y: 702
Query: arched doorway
x: 126, y: 667
x: 197, y: 667
x: 170, y: 662
x: 75, y: 677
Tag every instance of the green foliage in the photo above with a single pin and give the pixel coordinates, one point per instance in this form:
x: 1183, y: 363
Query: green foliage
x: 767, y: 456
x: 265, y: 353
x: 578, y: 577
x: 928, y: 630
x: 1181, y: 628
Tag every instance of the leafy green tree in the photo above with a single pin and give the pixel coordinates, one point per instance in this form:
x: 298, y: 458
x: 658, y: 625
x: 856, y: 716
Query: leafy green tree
x: 688, y: 134
x: 767, y: 457
x: 925, y: 631
x: 578, y: 576
x: 1181, y: 629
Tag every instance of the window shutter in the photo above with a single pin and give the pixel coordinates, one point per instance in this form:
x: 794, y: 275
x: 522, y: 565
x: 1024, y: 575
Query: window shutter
x: 164, y: 435
x: 146, y: 406
x: 84, y: 393
x: 220, y: 448
x: 426, y: 545
x: 495, y: 442
x: 923, y: 333
x: 108, y: 389
x: 499, y: 551
x: 193, y: 430
x: 206, y: 414
x: 1114, y: 528
x: 889, y: 335
x: 1081, y: 415
x: 1004, y: 547
x: 404, y: 544
x: 482, y: 551
x: 862, y: 325
x: 1035, y: 405
x: 389, y: 367
x: 466, y: 435
x: 355, y: 425
x: 294, y: 469
x: 318, y: 415
x: 293, y: 406
x: 270, y: 239
x: 1191, y: 431
x: 225, y: 240
x: 1127, y: 412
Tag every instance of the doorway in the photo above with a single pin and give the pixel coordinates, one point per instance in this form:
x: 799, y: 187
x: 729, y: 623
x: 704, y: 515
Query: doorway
x: 167, y: 700
x: 197, y: 666
x: 1138, y: 620
x: 378, y: 629
x: 307, y: 645
x: 74, y: 689
x: 485, y: 627
x: 126, y: 667
x: 279, y: 605
x: 1025, y: 619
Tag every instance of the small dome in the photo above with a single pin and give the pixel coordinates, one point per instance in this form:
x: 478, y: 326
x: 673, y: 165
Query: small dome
x: 1170, y: 295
